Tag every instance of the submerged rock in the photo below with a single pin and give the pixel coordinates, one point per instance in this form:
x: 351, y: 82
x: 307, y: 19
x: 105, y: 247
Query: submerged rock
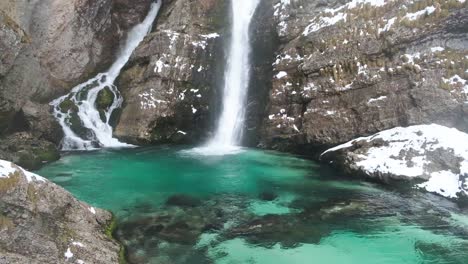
x: 433, y: 157
x: 42, y: 223
x: 183, y: 201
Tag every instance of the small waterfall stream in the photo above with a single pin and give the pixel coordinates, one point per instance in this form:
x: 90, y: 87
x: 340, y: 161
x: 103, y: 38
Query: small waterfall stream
x: 236, y: 81
x: 85, y: 124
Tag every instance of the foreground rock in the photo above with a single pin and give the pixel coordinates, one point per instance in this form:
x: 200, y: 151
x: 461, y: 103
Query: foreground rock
x: 435, y: 157
x: 42, y: 223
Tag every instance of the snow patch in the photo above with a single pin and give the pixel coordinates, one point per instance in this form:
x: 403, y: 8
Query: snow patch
x: 426, y: 11
x: 68, y: 254
x: 6, y: 169
x: 281, y: 74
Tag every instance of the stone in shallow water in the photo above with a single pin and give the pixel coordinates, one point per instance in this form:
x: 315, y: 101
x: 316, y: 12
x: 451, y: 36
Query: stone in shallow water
x: 268, y: 196
x: 183, y: 200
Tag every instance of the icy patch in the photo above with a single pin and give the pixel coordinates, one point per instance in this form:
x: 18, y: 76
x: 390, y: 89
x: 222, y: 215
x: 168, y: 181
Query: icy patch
x: 281, y: 74
x: 381, y: 98
x: 78, y: 244
x: 389, y: 24
x: 281, y: 14
x: 92, y: 210
x: 322, y: 22
x: 456, y: 80
x: 148, y: 100
x: 335, y: 16
x: 68, y: 254
x: 437, y: 49
x: 418, y: 140
x: 426, y: 11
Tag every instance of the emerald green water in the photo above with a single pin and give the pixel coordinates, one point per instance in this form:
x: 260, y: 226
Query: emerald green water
x: 258, y: 207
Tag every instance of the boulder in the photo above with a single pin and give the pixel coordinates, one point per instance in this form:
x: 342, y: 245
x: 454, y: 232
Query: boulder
x: 40, y: 222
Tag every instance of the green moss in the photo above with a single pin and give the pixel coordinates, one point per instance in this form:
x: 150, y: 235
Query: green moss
x: 9, y: 183
x: 47, y: 154
x: 66, y: 105
x: 6, y: 223
x: 105, y: 99
x: 109, y: 232
x: 122, y: 255
x: 31, y: 194
x: 110, y: 228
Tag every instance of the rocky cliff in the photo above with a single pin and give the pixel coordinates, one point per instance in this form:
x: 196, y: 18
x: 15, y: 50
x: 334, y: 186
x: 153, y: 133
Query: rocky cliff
x: 46, y: 48
x: 345, y: 69
x: 40, y: 222
x: 170, y: 83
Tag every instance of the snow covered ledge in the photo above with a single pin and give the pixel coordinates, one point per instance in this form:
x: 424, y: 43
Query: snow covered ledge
x: 433, y: 156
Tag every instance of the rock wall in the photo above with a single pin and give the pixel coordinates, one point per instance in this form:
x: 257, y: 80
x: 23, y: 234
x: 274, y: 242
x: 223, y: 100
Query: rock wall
x: 46, y: 48
x: 345, y: 69
x: 170, y: 83
x: 40, y: 222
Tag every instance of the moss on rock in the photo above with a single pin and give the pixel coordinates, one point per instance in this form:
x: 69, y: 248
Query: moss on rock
x: 105, y: 99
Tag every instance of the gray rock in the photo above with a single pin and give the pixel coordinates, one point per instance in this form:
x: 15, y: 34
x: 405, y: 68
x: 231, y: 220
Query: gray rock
x: 170, y: 83
x: 46, y: 48
x: 355, y: 78
x: 40, y: 222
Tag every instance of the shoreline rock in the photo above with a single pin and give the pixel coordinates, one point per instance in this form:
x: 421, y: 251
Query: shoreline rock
x: 41, y: 222
x: 432, y: 157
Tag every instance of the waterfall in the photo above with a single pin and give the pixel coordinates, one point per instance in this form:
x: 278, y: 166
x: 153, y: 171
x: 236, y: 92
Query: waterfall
x: 85, y: 124
x: 236, y: 81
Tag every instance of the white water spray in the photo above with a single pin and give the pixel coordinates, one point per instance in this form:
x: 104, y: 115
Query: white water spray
x: 230, y: 125
x: 80, y: 103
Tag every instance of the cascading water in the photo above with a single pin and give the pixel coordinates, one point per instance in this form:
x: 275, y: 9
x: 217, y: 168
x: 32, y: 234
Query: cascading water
x: 85, y: 124
x: 229, y: 130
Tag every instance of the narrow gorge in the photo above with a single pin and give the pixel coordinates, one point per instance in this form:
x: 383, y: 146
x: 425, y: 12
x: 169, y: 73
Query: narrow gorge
x: 233, y: 131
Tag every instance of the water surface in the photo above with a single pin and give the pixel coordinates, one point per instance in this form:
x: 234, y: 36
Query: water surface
x: 258, y: 207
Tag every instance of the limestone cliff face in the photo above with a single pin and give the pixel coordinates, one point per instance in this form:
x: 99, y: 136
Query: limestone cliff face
x: 47, y: 47
x: 345, y: 69
x: 170, y: 85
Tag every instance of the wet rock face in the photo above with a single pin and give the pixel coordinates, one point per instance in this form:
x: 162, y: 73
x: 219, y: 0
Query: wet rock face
x: 347, y: 70
x: 47, y: 224
x: 169, y: 85
x: 46, y: 48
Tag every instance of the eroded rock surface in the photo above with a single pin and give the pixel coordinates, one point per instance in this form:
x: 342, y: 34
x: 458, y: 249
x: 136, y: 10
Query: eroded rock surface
x: 170, y: 83
x: 346, y: 69
x: 40, y: 222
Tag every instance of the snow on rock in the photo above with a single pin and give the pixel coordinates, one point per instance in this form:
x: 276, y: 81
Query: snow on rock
x: 433, y: 154
x: 457, y: 81
x: 68, y: 254
x: 281, y: 74
x: 426, y: 11
x: 333, y: 16
x: 92, y: 210
x: 7, y: 169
